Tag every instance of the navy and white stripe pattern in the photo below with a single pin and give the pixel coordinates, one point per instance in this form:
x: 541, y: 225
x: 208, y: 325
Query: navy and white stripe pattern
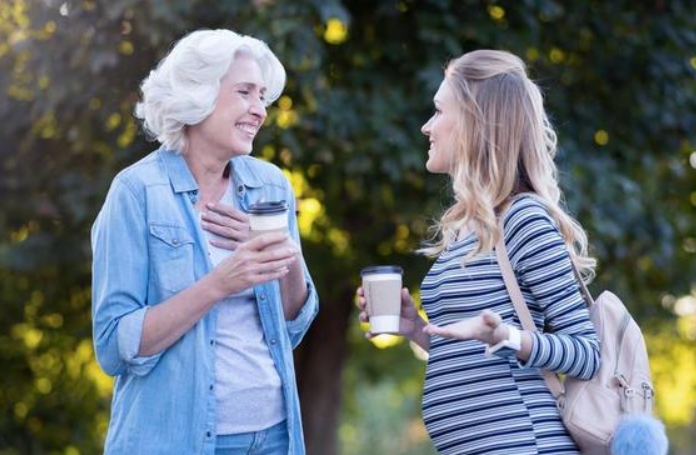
x: 474, y: 405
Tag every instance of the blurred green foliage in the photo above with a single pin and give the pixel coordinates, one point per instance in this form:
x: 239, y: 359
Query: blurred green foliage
x: 620, y: 81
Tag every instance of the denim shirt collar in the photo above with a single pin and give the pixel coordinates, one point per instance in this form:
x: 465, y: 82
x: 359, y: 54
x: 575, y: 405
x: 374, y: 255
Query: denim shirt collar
x: 242, y: 173
x: 183, y: 181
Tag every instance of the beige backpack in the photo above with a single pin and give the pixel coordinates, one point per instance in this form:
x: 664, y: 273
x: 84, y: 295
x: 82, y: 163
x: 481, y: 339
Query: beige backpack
x: 592, y: 409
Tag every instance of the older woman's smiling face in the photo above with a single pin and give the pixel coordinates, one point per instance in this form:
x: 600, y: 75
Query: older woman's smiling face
x: 239, y: 112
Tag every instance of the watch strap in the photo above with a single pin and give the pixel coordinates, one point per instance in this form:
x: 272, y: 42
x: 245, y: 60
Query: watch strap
x: 514, y: 337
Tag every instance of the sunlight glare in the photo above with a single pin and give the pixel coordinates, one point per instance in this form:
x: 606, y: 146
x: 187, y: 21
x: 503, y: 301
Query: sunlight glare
x: 386, y: 340
x: 336, y: 31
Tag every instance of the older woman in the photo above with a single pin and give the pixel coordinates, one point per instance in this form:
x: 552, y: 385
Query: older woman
x: 196, y: 321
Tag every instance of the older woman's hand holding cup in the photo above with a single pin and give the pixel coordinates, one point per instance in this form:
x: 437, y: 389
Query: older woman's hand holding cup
x: 268, y: 217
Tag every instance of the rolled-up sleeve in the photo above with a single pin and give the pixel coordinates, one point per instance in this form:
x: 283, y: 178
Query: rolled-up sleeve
x: 298, y: 327
x: 119, y: 282
x: 542, y: 264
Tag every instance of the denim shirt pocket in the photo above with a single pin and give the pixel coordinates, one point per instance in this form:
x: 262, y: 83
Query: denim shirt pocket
x: 172, y: 260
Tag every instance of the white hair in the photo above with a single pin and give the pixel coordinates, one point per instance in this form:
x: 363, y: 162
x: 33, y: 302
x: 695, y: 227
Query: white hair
x: 184, y: 87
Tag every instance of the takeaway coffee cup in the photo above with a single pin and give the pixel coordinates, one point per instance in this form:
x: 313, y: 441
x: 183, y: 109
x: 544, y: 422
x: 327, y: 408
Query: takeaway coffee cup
x: 382, y: 289
x: 267, y: 217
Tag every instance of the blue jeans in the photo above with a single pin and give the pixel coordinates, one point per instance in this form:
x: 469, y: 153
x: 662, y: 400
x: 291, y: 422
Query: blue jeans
x: 271, y: 441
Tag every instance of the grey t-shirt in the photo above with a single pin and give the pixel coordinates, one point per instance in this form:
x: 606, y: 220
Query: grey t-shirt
x: 247, y: 386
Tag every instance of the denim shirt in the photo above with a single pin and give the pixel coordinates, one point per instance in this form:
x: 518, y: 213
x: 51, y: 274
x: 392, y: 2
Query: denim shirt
x: 148, y: 246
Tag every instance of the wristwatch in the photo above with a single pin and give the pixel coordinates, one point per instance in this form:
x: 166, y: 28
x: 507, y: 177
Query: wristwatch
x: 506, y: 348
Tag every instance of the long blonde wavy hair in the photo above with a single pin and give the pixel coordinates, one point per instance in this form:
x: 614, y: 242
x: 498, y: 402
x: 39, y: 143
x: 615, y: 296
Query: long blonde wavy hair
x: 502, y: 145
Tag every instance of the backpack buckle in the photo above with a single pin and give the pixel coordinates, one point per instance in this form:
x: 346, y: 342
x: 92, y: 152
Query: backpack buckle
x: 648, y: 392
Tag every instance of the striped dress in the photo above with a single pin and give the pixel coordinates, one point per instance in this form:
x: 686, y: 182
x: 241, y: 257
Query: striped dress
x: 476, y: 405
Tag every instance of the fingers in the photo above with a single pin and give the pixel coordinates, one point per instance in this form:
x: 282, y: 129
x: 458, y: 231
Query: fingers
x: 465, y: 329
x: 223, y: 210
x: 253, y: 258
x: 250, y: 264
x: 450, y: 331
x: 491, y: 319
x: 360, y: 301
x: 216, y: 218
x: 263, y: 241
x: 225, y: 244
x: 363, y: 317
x: 227, y: 223
x: 232, y: 230
x: 275, y: 269
x: 274, y: 259
x: 432, y: 329
x: 270, y: 275
x: 477, y: 328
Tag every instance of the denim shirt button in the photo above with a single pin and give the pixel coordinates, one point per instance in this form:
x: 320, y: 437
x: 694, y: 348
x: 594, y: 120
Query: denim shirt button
x: 262, y: 297
x: 208, y: 434
x: 273, y: 341
x: 240, y: 189
x: 175, y: 242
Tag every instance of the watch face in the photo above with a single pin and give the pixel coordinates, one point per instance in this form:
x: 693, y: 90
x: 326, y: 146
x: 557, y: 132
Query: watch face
x: 503, y: 349
x: 505, y: 352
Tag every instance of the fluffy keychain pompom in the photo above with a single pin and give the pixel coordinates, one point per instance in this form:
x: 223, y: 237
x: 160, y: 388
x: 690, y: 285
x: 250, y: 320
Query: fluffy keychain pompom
x: 640, y: 434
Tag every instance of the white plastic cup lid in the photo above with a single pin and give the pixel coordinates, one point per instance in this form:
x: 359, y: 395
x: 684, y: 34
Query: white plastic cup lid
x: 381, y: 269
x: 268, y: 208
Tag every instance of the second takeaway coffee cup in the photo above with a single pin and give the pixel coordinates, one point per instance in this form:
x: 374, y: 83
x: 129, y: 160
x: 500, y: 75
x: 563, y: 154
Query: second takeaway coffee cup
x: 382, y: 289
x: 267, y: 217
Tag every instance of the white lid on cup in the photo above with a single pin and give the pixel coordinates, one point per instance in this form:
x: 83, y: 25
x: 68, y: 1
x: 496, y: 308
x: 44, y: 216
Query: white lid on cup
x: 381, y: 272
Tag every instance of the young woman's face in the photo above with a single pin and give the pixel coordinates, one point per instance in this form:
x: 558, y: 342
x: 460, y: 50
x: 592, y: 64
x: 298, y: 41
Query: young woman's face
x: 239, y: 112
x: 439, y: 130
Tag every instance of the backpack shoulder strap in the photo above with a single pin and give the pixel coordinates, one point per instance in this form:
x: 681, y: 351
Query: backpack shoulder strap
x: 501, y: 217
x: 554, y: 384
x: 583, y: 287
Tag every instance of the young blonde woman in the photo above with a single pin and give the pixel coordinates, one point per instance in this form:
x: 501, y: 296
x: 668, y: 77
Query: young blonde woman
x: 484, y: 392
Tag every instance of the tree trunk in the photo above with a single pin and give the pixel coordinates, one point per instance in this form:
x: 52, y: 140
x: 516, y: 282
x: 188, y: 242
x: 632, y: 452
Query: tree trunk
x: 319, y: 364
